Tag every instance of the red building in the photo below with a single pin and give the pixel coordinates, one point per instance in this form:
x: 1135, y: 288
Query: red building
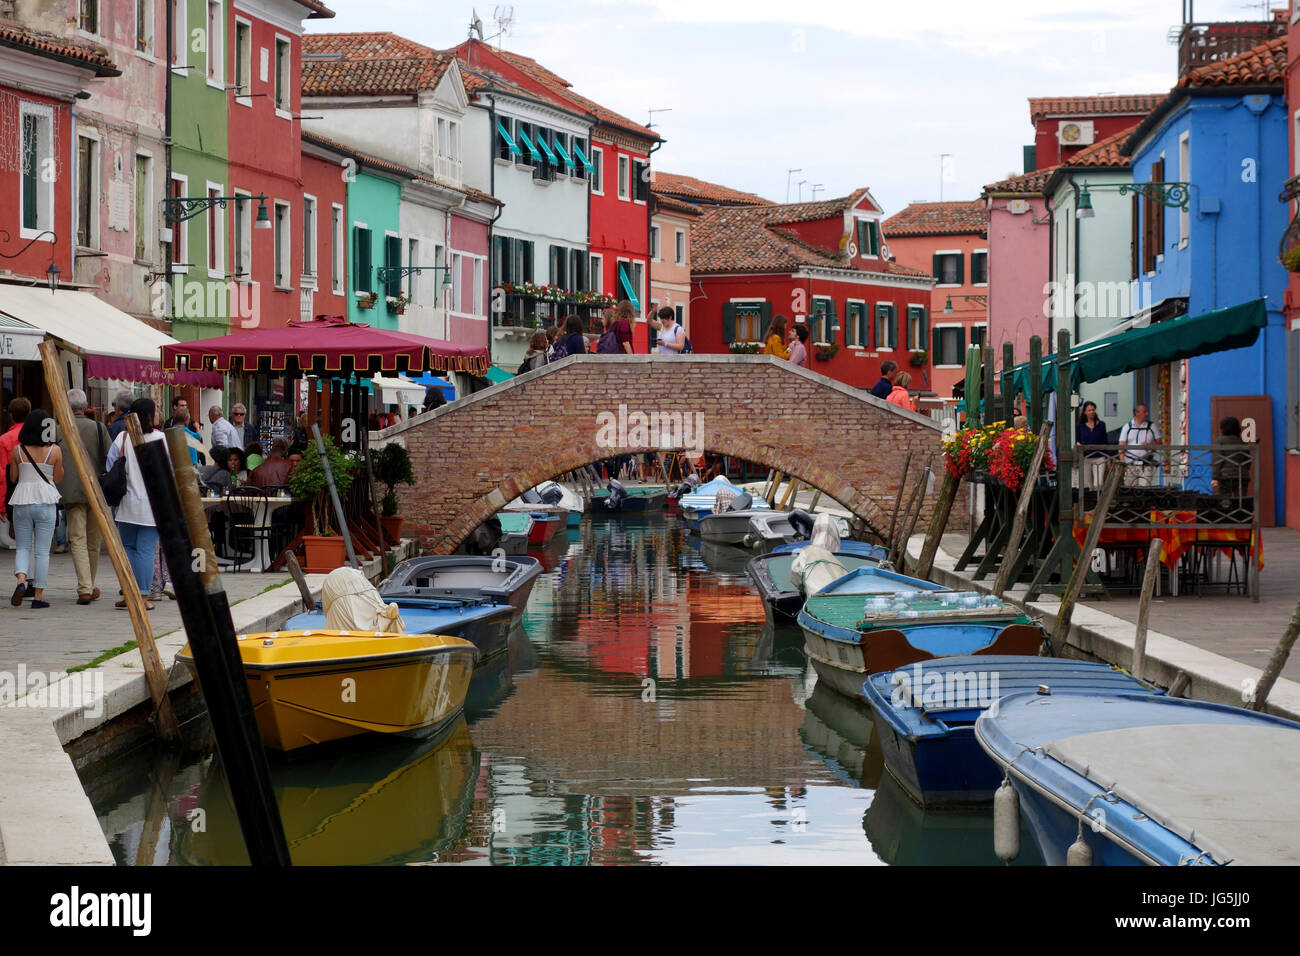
x: 1064, y: 125
x: 324, y: 279
x: 822, y: 263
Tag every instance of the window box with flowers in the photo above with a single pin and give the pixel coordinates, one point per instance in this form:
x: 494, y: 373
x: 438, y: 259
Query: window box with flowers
x: 1291, y: 259
x: 397, y: 303
x: 919, y: 358
x: 825, y: 351
x: 367, y: 300
x: 744, y: 348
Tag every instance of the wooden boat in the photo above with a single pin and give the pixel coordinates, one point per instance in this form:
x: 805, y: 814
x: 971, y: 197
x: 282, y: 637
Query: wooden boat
x: 554, y: 493
x: 639, y: 499
x: 925, y: 716
x: 771, y: 575
x: 485, y: 624
x: 1142, y: 779
x: 501, y: 580
x: 699, y: 503
x: 769, y: 530
x: 547, y: 520
x: 315, y: 687
x: 848, y: 636
x: 515, y: 529
x: 729, y: 527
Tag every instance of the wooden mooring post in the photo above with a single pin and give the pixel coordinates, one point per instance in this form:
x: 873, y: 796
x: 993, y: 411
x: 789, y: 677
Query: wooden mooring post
x: 938, y: 522
x: 1083, y: 563
x: 898, y: 499
x: 915, y: 504
x: 1150, y: 575
x: 1276, y: 661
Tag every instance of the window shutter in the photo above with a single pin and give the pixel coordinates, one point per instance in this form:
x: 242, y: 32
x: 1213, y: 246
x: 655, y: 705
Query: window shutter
x: 873, y: 228
x: 938, y: 266
x: 361, y: 256
x: 961, y: 268
x: 1135, y: 251
x: 393, y: 259
x: 925, y: 326
x: 526, y: 260
x: 936, y: 347
x: 728, y: 323
x: 862, y: 237
x: 764, y: 319
x: 893, y: 326
x: 1158, y: 175
x: 864, y: 326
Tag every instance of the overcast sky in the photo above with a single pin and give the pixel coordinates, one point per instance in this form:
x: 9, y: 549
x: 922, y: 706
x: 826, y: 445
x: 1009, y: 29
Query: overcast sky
x: 852, y: 92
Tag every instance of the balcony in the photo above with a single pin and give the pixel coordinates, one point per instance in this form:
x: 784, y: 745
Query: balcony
x: 1200, y: 44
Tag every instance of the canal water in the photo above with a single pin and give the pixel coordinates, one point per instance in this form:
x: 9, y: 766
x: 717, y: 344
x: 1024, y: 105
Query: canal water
x: 643, y: 714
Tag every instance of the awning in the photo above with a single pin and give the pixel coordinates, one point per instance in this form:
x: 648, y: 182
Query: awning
x: 330, y: 344
x: 568, y: 160
x: 398, y: 391
x: 541, y: 141
x: 627, y: 287
x: 510, y: 142
x: 1160, y: 343
x: 425, y: 380
x: 19, y: 342
x: 496, y: 374
x: 113, y: 345
x: 582, y: 158
x: 532, y: 150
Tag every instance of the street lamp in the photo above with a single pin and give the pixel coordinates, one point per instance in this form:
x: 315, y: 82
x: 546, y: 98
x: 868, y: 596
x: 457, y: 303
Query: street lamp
x: 1175, y: 195
x: 981, y: 299
x: 52, y: 273
x: 179, y: 208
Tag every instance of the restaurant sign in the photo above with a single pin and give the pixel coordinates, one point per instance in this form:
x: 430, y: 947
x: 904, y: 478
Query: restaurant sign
x: 20, y: 346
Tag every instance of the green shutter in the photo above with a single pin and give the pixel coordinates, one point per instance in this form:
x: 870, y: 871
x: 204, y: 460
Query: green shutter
x: 361, y: 256
x: 863, y: 233
x: 937, y: 265
x: 393, y: 260
x: 764, y: 320
x: 728, y: 323
x: 936, y: 342
x: 873, y: 229
x: 834, y: 324
x: 864, y: 326
x: 893, y: 326
x: 527, y: 262
x: 961, y: 268
x: 924, y: 334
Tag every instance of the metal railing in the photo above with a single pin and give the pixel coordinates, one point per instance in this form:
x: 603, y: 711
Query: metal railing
x: 1200, y: 44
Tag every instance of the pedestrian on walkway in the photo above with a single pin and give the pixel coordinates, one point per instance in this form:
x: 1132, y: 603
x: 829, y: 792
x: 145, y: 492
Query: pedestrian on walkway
x: 134, y: 514
x: 672, y: 337
x: 776, y: 334
x: 799, y: 346
x: 888, y: 371
x: 83, y: 532
x: 19, y: 409
x: 224, y: 434
x: 117, y: 418
x: 899, y: 395
x: 35, y: 467
x: 1138, y: 439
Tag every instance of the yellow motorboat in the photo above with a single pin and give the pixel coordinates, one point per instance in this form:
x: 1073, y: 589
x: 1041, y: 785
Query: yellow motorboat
x: 313, y: 687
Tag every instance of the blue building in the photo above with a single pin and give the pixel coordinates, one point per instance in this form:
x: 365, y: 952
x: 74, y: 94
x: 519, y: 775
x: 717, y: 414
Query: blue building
x: 1223, y: 129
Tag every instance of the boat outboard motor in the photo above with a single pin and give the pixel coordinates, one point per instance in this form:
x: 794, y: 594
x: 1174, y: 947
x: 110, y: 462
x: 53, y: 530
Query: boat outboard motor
x: 742, y: 502
x: 825, y: 534
x: 553, y: 495
x: 802, y: 523
x: 617, y: 495
x: 531, y: 497
x: 484, y: 539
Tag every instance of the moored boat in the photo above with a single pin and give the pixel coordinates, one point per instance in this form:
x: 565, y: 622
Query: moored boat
x: 700, y: 502
x: 637, y: 499
x: 313, y: 687
x: 485, y: 624
x: 925, y: 715
x: 769, y: 530
x: 547, y: 520
x: 850, y: 635
x: 1137, y: 779
x: 515, y: 528
x: 771, y: 575
x: 502, y: 580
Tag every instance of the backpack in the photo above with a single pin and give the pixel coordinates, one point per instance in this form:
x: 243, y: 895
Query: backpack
x: 686, y: 345
x: 608, y: 344
x: 113, y: 482
x: 556, y: 352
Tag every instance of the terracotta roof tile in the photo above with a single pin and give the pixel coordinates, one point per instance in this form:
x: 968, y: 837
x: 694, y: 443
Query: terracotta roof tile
x: 1026, y: 184
x: 669, y: 204
x: 318, y: 10
x: 81, y: 52
x: 938, y: 219
x: 369, y: 64
x: 697, y: 191
x: 1104, y: 152
x: 1041, y: 107
x: 1259, y: 66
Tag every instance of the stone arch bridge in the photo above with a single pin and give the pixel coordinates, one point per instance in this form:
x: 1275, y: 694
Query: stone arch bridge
x: 476, y: 454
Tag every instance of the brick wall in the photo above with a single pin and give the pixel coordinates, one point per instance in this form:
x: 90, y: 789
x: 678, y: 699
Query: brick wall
x: 473, y: 456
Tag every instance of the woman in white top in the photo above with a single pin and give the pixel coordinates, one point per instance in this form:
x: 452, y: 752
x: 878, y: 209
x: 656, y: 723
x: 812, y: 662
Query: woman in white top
x: 36, y: 466
x: 134, y: 514
x: 672, y: 337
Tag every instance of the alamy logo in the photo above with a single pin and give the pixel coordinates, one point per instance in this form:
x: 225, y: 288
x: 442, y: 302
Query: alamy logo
x: 946, y: 689
x: 663, y: 431
x: 25, y: 688
x: 74, y: 908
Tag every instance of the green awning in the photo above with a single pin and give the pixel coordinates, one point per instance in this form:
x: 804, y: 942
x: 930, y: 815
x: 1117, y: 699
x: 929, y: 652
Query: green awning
x: 510, y: 143
x: 1184, y: 337
x: 528, y: 143
x: 546, y: 148
x: 497, y: 374
x: 568, y: 160
x: 582, y: 158
x: 627, y: 287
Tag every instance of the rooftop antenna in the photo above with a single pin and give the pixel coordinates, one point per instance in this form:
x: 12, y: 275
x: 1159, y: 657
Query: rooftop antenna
x: 504, y: 18
x: 814, y: 189
x: 475, y: 25
x: 943, y: 171
x: 649, y: 123
x: 800, y: 184
x: 788, y: 174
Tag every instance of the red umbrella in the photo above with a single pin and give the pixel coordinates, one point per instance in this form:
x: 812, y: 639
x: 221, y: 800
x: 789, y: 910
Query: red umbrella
x: 328, y: 344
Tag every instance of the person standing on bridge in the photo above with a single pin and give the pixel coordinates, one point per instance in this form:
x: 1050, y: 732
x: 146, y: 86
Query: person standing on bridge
x: 798, y: 346
x: 775, y: 342
x: 899, y: 395
x: 888, y: 370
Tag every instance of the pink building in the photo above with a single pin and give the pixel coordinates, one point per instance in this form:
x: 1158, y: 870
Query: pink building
x: 670, y: 255
x: 1019, y: 264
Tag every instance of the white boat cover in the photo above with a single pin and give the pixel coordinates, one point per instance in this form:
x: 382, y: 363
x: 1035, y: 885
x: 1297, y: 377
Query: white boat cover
x: 825, y: 533
x: 815, y: 567
x: 1229, y: 789
x: 352, y: 603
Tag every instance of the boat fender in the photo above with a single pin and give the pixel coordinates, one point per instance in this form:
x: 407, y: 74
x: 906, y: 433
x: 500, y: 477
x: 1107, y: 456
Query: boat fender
x: 749, y: 541
x: 1006, y: 822
x: 1079, y: 853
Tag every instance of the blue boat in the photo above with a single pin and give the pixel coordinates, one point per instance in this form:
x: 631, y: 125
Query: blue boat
x: 850, y: 635
x: 771, y: 575
x: 699, y: 503
x: 872, y: 579
x: 925, y: 716
x: 485, y: 625
x: 500, y: 580
x: 880, y: 554
x: 1157, y: 780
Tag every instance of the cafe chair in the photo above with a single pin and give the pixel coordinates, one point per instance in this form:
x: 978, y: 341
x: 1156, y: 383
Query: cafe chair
x: 245, y: 509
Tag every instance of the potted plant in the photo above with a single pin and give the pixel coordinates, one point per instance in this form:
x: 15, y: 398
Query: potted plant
x: 1291, y: 259
x: 397, y: 303
x: 367, y: 300
x: 744, y: 348
x: 920, y: 357
x: 325, y: 549
x: 392, y: 465
x: 825, y: 351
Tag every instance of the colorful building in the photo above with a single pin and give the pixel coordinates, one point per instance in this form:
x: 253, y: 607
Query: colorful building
x: 1220, y: 250
x: 1020, y: 268
x: 671, y: 221
x: 822, y: 263
x: 1066, y: 125
x: 947, y: 239
x: 1291, y: 306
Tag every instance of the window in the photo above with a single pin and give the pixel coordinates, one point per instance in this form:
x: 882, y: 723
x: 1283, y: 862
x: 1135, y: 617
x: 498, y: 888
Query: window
x: 413, y: 261
x: 528, y: 152
x: 180, y: 35
x: 747, y: 320
x: 1185, y: 174
x: 979, y: 267
x: 679, y: 238
x: 948, y: 267
x: 978, y: 333
x: 654, y: 243
x: 886, y: 327
x: 216, y: 235
x: 597, y: 170
x: 857, y: 331
x: 641, y: 183
x: 596, y: 277
x: 180, y: 230
x: 579, y: 150
x: 523, y: 260
x: 37, y: 194
x: 623, y: 184
x: 243, y: 58
x: 506, y: 147
x: 216, y: 45
x: 578, y: 267
x: 144, y: 26
x: 87, y: 192
x: 438, y: 283
x: 283, y: 246
x: 559, y: 265
x: 282, y: 80
x: 681, y: 315
x: 638, y: 283
x: 949, y: 346
x: 457, y: 283
x: 243, y: 235
x: 868, y: 237
x: 337, y: 250
x: 545, y: 168
x: 143, y: 206
x: 392, y: 260
x: 918, y: 331
x: 362, y: 278
x: 478, y: 287
x: 823, y: 321
x: 308, y: 235
x: 88, y: 18
x: 1153, y: 222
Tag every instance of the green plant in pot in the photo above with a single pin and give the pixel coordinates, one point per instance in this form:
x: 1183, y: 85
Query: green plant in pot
x: 1291, y: 259
x: 325, y: 549
x: 392, y: 466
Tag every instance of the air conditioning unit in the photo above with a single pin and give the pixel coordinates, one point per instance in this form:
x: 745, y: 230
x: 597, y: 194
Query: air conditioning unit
x: 1076, y: 133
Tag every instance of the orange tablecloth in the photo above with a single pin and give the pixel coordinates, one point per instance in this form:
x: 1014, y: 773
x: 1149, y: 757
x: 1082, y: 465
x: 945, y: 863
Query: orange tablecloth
x: 1174, y: 540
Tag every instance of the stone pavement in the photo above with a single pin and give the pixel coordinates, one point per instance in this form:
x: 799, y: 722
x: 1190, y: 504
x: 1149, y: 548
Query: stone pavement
x: 67, y: 634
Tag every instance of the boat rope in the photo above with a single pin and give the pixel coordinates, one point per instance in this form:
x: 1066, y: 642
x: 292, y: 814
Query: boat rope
x: 1189, y: 860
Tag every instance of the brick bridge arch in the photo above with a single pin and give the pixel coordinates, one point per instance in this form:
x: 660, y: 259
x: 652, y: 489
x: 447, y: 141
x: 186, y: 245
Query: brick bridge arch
x: 476, y: 454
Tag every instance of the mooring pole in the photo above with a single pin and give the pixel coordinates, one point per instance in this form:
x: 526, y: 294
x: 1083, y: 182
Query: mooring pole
x: 898, y: 499
x: 205, y: 612
x: 1003, y: 580
x: 1276, y: 661
x: 1081, y: 566
x: 1150, y: 574
x: 334, y: 495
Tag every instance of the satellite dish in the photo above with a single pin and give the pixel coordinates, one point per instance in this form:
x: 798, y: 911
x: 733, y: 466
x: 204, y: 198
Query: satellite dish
x: 476, y: 25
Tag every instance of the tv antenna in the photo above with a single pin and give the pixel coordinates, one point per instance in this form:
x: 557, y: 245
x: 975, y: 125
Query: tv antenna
x: 650, y: 119
x: 789, y: 173
x: 504, y: 18
x: 813, y: 189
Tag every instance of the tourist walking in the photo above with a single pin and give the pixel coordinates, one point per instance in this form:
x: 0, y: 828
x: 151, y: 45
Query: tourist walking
x: 121, y: 405
x: 134, y: 515
x: 888, y: 370
x: 1138, y: 439
x: 19, y: 409
x: 775, y: 343
x: 35, y: 468
x: 1090, y: 430
x: 572, y: 342
x: 672, y: 337
x: 224, y: 434
x: 535, y: 357
x: 799, y: 346
x: 83, y: 532
x: 622, y: 327
x: 899, y: 395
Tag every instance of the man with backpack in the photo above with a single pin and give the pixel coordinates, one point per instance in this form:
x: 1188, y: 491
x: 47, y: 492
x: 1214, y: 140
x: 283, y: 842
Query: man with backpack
x: 672, y: 337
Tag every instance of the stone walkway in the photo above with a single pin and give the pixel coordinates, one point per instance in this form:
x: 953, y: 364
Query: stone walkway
x: 67, y: 634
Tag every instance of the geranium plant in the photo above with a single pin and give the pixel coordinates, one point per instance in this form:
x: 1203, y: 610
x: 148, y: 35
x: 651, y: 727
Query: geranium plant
x: 744, y: 348
x: 398, y: 301
x: 967, y: 450
x: 1010, y: 455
